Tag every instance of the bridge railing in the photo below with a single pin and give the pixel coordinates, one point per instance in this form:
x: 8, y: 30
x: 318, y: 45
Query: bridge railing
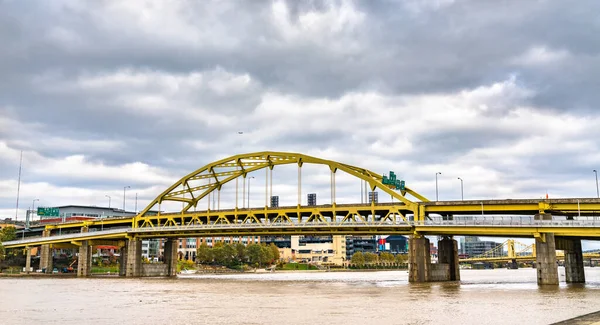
x: 68, y: 236
x: 509, y: 221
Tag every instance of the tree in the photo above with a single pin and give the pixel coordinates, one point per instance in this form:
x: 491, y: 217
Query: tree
x: 370, y: 258
x: 275, y: 251
x: 229, y: 255
x: 241, y: 253
x: 6, y: 234
x: 204, y: 254
x: 387, y: 257
x: 266, y: 255
x: 255, y: 254
x: 219, y: 256
x: 358, y: 258
x: 401, y: 258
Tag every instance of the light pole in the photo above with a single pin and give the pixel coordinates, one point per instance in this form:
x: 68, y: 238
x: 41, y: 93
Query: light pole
x: 462, y: 195
x: 249, y: 178
x: 124, y: 188
x: 436, y: 185
x: 33, y: 207
x: 597, y: 192
x: 136, y: 203
x: 108, y: 196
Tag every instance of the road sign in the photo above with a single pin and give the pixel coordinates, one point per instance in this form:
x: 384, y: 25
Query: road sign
x: 391, y: 180
x: 47, y: 212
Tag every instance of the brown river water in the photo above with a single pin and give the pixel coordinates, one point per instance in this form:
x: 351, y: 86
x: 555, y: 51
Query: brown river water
x: 482, y: 297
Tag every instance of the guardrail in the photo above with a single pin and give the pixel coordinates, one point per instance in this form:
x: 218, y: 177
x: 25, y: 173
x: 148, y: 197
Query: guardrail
x: 500, y: 222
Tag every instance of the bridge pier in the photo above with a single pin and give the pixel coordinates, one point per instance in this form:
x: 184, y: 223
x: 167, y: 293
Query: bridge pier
x: 545, y: 260
x: 123, y: 260
x: 574, y: 272
x: 84, y: 259
x: 133, y: 266
x: 171, y: 256
x: 448, y: 255
x: 28, y: 260
x: 46, y: 255
x: 419, y: 260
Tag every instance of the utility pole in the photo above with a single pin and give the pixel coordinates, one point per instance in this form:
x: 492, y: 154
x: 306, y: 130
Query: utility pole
x: 19, y: 186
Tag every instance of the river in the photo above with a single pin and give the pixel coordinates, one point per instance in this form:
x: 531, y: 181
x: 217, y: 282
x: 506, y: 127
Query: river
x: 482, y: 297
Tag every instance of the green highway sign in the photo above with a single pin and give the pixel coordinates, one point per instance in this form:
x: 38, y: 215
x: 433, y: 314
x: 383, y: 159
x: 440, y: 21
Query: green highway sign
x: 47, y: 212
x: 391, y: 180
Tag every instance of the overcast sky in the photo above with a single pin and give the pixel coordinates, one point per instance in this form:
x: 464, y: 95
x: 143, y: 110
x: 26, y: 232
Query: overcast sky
x: 105, y: 94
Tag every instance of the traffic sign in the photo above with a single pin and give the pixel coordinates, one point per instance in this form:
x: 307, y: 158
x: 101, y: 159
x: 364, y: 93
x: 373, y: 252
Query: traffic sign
x: 48, y: 212
x: 391, y: 180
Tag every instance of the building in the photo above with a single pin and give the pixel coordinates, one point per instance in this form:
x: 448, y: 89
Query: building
x: 319, y: 249
x: 397, y: 244
x: 472, y: 246
x: 360, y: 244
x: 66, y: 211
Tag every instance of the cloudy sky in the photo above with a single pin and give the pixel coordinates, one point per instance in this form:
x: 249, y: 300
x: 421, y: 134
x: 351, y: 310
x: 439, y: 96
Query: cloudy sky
x: 103, y: 94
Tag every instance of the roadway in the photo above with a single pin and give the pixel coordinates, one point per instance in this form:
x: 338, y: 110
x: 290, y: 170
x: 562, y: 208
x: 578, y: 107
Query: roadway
x: 585, y: 228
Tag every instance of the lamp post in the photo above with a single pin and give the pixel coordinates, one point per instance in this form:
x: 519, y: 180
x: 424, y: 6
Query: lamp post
x: 462, y: 195
x: 249, y: 178
x: 436, y: 185
x: 108, y: 196
x: 124, y: 188
x: 597, y: 192
x: 33, y: 207
x: 136, y: 203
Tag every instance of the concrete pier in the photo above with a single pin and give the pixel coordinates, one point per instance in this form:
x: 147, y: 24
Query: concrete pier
x: 547, y: 269
x: 448, y: 254
x: 545, y: 260
x: 419, y: 260
x: 46, y: 255
x: 28, y: 260
x: 574, y: 272
x: 84, y: 259
x: 133, y: 266
x: 171, y: 246
x: 123, y: 260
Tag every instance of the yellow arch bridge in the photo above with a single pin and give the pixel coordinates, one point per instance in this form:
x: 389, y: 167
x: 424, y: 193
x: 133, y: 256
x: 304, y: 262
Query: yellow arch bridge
x: 552, y: 222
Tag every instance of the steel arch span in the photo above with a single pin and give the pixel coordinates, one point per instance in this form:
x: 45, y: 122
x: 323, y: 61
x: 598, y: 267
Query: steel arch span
x: 191, y: 188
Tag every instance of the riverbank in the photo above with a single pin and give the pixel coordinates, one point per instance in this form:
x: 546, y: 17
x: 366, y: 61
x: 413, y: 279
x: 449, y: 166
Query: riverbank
x: 588, y: 319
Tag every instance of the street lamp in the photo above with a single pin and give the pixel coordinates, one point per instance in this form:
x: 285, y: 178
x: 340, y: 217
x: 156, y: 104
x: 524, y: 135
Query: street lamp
x: 597, y: 192
x: 436, y: 185
x: 462, y: 195
x: 33, y: 207
x: 249, y: 178
x: 108, y: 196
x: 125, y: 187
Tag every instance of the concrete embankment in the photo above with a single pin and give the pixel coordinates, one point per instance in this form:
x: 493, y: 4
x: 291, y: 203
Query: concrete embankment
x: 588, y: 319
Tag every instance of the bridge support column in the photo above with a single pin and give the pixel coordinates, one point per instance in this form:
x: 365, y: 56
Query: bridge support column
x: 123, y: 259
x: 46, y: 255
x: 573, y: 259
x: 84, y: 259
x: 28, y: 260
x: 419, y: 259
x: 545, y: 260
x: 171, y: 256
x: 448, y: 255
x: 133, y: 266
